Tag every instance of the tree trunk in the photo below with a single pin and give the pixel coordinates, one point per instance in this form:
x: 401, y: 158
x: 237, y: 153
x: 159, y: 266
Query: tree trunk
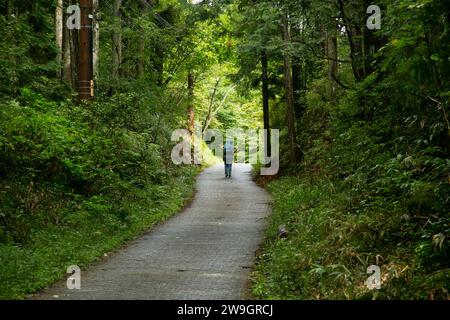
x: 212, y: 112
x: 298, y: 87
x: 363, y: 42
x: 332, y: 62
x: 66, y: 75
x: 289, y: 91
x: 73, y: 39
x: 59, y: 20
x: 117, y: 42
x: 85, y: 74
x: 210, y: 109
x: 354, y: 35
x: 191, y: 108
x: 265, y: 100
x: 95, y: 40
x: 67, y: 70
x: 74, y: 56
x: 297, y: 75
x: 157, y: 59
x: 141, y: 47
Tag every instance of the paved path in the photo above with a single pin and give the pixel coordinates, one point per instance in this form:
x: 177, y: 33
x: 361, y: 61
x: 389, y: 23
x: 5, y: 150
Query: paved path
x: 205, y: 252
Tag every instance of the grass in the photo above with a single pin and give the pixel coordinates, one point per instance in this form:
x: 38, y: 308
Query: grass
x: 328, y: 249
x: 87, y: 238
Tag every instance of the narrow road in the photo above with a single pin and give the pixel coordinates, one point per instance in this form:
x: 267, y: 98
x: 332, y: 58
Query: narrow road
x: 205, y: 252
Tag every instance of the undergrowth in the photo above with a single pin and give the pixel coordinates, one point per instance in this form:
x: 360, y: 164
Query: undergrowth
x: 76, y: 182
x: 367, y: 192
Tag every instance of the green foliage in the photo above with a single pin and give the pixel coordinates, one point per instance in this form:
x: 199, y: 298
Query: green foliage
x: 79, y: 179
x: 90, y: 231
x: 76, y: 182
x: 332, y: 240
x: 27, y: 50
x: 373, y: 184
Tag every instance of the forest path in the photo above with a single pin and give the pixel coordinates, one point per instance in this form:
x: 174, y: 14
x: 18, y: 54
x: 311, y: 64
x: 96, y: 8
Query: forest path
x: 205, y: 252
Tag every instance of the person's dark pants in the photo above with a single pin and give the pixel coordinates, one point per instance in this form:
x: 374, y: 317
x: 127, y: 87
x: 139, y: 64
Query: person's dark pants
x: 228, y: 170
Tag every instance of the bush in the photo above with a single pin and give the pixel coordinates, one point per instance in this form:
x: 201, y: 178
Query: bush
x: 367, y: 192
x: 75, y: 182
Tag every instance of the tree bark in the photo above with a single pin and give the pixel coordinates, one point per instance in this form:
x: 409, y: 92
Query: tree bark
x: 298, y: 86
x: 354, y: 38
x: 332, y: 62
x: 117, y: 42
x: 289, y: 92
x: 213, y: 111
x: 298, y: 77
x: 95, y: 40
x: 59, y: 23
x: 73, y: 39
x: 363, y: 42
x: 142, y: 43
x: 191, y: 108
x: 85, y: 74
x: 66, y: 52
x: 67, y: 70
x: 159, y: 53
x: 210, y: 108
x: 265, y: 100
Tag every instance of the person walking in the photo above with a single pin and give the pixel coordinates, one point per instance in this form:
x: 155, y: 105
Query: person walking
x: 228, y: 156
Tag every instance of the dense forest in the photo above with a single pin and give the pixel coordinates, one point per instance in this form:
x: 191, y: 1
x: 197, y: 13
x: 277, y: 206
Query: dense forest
x: 360, y: 93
